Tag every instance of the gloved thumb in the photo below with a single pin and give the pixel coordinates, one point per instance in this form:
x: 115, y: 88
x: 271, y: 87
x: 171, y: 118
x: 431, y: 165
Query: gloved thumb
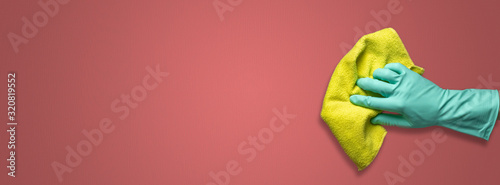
x: 373, y: 102
x: 391, y: 120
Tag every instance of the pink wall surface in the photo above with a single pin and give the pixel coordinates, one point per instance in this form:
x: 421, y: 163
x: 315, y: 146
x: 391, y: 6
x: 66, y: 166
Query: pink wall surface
x: 92, y: 66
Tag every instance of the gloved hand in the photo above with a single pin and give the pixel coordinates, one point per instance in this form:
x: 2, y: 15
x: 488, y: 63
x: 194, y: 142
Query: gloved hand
x: 421, y: 103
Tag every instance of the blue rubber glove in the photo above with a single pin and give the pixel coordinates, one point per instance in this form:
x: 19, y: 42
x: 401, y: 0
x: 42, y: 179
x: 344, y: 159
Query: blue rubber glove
x: 421, y: 103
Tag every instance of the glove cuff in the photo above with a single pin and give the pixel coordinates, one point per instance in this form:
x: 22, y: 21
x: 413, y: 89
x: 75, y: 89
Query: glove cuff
x: 493, y: 115
x: 475, y: 114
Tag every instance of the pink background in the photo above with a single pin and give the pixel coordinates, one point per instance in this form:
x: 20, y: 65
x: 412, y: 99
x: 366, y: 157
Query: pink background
x: 225, y: 79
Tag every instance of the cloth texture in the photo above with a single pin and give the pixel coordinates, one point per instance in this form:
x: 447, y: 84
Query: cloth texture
x: 349, y: 123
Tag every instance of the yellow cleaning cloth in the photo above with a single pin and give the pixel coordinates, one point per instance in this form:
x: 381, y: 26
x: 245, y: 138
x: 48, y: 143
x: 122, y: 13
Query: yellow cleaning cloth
x: 351, y: 124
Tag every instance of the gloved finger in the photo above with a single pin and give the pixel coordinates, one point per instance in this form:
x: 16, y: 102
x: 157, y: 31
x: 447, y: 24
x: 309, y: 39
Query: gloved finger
x: 396, y: 67
x: 385, y: 75
x: 383, y: 88
x: 391, y: 120
x: 372, y: 102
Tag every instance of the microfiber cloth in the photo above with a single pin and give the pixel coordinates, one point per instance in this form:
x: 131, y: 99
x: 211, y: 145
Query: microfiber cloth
x: 351, y: 124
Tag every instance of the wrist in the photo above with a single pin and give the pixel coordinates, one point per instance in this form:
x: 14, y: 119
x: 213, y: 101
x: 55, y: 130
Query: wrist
x: 470, y: 111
